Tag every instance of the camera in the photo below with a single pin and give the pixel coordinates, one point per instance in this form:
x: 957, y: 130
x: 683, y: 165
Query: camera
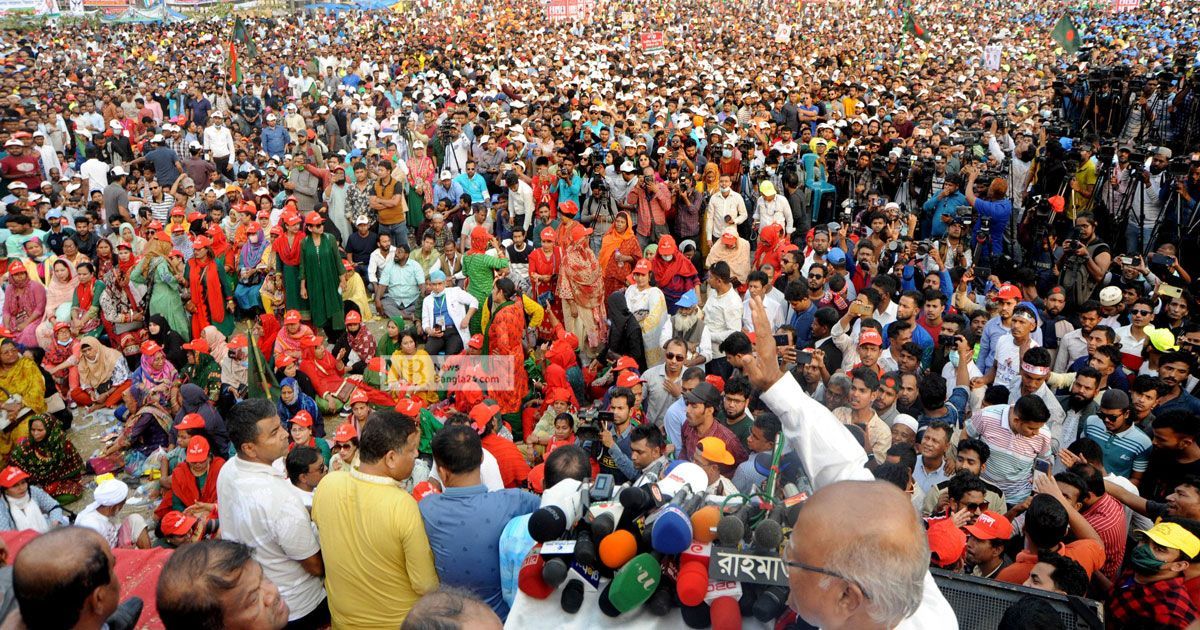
x: 964, y: 214
x: 1179, y: 167
x: 947, y: 341
x: 924, y: 247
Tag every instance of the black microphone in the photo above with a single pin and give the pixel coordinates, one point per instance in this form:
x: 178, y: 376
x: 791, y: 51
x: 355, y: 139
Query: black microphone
x: 572, y: 597
x: 770, y: 603
x: 731, y: 529
x: 554, y: 572
x: 585, y: 550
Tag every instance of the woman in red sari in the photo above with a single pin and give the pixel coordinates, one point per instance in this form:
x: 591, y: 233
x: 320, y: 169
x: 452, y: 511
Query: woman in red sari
x: 582, y: 292
x: 327, y: 375
x: 505, y: 333
x: 619, y: 252
x: 287, y: 250
x: 673, y: 272
x: 194, y: 482
x: 544, y: 265
x: 211, y: 298
x: 770, y: 247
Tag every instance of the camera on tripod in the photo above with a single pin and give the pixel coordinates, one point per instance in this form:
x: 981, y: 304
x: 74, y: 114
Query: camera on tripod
x: 1179, y: 167
x: 964, y: 214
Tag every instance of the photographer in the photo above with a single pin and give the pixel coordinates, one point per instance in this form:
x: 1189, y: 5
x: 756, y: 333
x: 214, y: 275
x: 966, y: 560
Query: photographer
x: 1117, y: 187
x: 995, y: 209
x: 1083, y: 183
x: 941, y: 209
x: 1084, y: 261
x: 1145, y: 212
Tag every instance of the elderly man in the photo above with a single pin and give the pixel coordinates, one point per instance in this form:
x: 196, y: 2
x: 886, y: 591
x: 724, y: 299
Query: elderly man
x: 233, y: 580
x: 102, y: 515
x: 302, y: 184
x: 834, y: 557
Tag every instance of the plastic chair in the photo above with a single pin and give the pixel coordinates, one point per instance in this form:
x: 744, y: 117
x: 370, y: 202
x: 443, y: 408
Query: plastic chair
x: 816, y: 180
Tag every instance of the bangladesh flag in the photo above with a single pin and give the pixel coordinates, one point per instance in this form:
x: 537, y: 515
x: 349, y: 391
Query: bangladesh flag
x: 235, y: 68
x: 918, y: 31
x: 1066, y: 35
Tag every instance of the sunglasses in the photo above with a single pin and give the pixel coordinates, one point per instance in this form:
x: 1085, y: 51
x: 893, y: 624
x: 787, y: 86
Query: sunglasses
x: 1141, y: 311
x: 1111, y: 417
x: 671, y: 356
x: 343, y: 447
x: 974, y: 507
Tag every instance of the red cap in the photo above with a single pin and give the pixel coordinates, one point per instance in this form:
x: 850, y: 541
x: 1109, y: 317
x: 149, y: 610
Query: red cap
x: 345, y: 432
x: 482, y: 414
x: 190, y: 421
x: 313, y: 218
x: 11, y: 476
x: 729, y: 238
x: 946, y: 542
x: 625, y: 362
x: 359, y: 396
x: 61, y: 326
x: 175, y: 523
x: 715, y: 381
x: 537, y: 478
x: 302, y: 418
x: 253, y: 228
x: 291, y: 317
x: 869, y: 337
x: 197, y: 450
x: 990, y: 526
x: 177, y: 211
x: 353, y: 318
x: 6, y: 333
x: 347, y: 265
x: 199, y: 345
x: 195, y: 216
x: 150, y: 347
x: 175, y: 253
x: 409, y: 407
x: 284, y: 360
x: 424, y: 489
x: 628, y: 379
x: 311, y: 341
x: 569, y: 208
x: 238, y: 341
x: 476, y: 342
x: 642, y: 267
x: 666, y: 246
x: 15, y: 266
x: 1009, y: 292
x: 548, y: 235
x: 201, y: 241
x: 291, y: 219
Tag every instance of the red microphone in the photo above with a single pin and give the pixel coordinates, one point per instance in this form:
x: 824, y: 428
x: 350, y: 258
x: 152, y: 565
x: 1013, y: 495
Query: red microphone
x: 529, y: 578
x: 726, y: 614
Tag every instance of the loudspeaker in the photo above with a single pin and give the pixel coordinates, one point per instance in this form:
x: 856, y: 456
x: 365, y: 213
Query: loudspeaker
x: 980, y: 603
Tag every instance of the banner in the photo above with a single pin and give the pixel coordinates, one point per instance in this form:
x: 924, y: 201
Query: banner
x: 105, y: 4
x: 652, y: 41
x: 991, y: 57
x: 1124, y: 5
x: 557, y: 10
x: 783, y: 34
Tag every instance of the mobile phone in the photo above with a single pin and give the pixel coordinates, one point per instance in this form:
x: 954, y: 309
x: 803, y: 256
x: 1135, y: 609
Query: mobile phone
x: 1042, y: 465
x: 1170, y: 291
x: 804, y: 357
x: 782, y: 340
x: 602, y: 488
x: 1125, y: 260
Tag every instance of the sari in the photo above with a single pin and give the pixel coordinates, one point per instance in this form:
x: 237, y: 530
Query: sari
x: 300, y: 402
x: 107, y: 375
x: 23, y: 378
x: 58, y: 354
x: 413, y: 375
x: 120, y: 310
x: 24, y: 309
x: 388, y: 346
x: 770, y: 247
x: 208, y: 295
x: 60, y: 292
x: 186, y: 489
x: 674, y: 277
x: 270, y: 331
x: 649, y: 308
x: 506, y: 330
x: 287, y: 343
x: 250, y: 278
x: 85, y: 304
x: 53, y: 463
x: 616, y: 274
x: 287, y: 251
x: 580, y: 288
x: 420, y: 188
x: 146, y: 378
x: 165, y: 295
x: 327, y: 379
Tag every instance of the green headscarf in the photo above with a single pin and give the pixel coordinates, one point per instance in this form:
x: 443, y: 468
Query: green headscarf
x: 386, y: 345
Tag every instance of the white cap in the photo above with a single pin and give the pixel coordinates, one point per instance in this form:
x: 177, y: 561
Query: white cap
x: 218, y: 114
x: 18, y: 184
x: 13, y: 142
x: 362, y: 220
x: 119, y: 171
x: 418, y: 145
x: 322, y: 110
x: 627, y: 167
x: 447, y: 175
x: 73, y: 187
x: 195, y: 145
x: 157, y: 139
x: 116, y: 124
x: 905, y: 420
x: 272, y: 117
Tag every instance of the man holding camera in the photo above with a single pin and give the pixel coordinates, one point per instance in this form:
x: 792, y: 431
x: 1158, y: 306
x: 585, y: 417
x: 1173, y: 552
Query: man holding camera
x: 995, y: 209
x: 1084, y: 261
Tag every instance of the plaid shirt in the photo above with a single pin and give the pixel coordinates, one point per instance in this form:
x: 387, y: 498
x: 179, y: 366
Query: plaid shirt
x: 1165, y: 603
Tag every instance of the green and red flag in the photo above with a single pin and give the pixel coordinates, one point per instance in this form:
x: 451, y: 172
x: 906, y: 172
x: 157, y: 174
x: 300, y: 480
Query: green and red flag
x: 261, y: 381
x: 911, y: 26
x: 235, y: 68
x: 1065, y: 34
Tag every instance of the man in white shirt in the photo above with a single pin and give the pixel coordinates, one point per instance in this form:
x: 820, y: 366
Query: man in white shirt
x: 219, y: 142
x: 305, y: 469
x: 95, y: 173
x: 772, y: 209
x: 725, y: 209
x: 259, y: 508
x: 102, y: 516
x: 757, y: 284
x: 722, y: 315
x: 445, y: 315
x: 383, y: 254
x: 520, y: 201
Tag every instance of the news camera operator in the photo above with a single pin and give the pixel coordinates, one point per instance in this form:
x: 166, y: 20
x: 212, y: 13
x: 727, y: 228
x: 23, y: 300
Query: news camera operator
x: 1146, y: 212
x: 994, y: 212
x: 1084, y: 261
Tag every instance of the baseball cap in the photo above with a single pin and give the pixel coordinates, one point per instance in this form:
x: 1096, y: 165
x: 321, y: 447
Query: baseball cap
x: 409, y: 407
x: 345, y: 432
x: 1174, y: 536
x: 11, y: 476
x: 197, y: 449
x: 990, y: 526
x: 302, y: 418
x: 483, y: 413
x: 176, y: 523
x: 666, y: 246
x: 240, y: 341
x: 548, y: 235
x: 1110, y: 296
x: 870, y: 337
x: 1161, y: 339
x: 437, y: 275
x: 687, y: 300
x: 946, y: 542
x: 628, y: 379
x: 190, y: 421
x: 150, y: 347
x: 713, y: 449
x: 705, y: 394
x: 625, y: 362
x: 353, y: 317
x: 291, y: 317
x: 475, y: 342
x: 1009, y: 292
x: 642, y: 266
x: 835, y: 256
x: 1114, y: 399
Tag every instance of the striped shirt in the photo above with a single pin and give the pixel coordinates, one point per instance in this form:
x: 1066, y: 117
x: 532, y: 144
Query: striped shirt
x: 161, y: 210
x: 1125, y: 452
x: 1011, y: 465
x: 1107, y: 517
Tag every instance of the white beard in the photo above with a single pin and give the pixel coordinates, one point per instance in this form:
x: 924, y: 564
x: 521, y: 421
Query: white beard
x: 682, y: 322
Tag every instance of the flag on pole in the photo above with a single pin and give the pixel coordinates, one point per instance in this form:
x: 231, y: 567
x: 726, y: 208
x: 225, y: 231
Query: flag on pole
x: 261, y: 381
x: 1065, y: 34
x: 918, y: 31
x: 235, y: 69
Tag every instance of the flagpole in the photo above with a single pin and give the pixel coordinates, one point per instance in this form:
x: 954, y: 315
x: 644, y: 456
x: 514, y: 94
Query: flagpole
x: 262, y: 377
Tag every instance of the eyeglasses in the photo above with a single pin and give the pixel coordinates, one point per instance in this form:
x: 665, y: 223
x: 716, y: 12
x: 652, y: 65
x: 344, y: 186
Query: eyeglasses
x: 671, y: 356
x: 822, y: 571
x: 975, y: 507
x: 1141, y: 311
x: 343, y: 447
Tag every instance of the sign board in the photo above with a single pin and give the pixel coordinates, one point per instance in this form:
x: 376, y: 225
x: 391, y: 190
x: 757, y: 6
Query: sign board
x: 652, y: 41
x: 730, y: 564
x: 557, y: 10
x: 783, y: 34
x: 991, y: 57
x: 105, y: 4
x: 1124, y: 5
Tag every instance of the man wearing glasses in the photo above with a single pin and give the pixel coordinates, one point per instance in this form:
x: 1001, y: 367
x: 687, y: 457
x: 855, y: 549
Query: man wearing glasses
x: 845, y: 571
x: 1126, y: 448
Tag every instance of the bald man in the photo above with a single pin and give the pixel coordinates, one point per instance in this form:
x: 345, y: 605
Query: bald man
x: 218, y: 584
x: 67, y: 578
x: 846, y: 571
x: 451, y: 608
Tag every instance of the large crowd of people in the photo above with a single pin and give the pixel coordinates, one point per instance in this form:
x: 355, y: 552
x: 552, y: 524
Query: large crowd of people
x: 370, y: 294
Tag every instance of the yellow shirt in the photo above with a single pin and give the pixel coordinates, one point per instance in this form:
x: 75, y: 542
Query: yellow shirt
x: 1085, y: 177
x: 378, y: 562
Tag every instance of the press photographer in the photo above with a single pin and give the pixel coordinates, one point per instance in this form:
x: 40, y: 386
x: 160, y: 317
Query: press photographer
x: 1084, y: 261
x: 994, y: 212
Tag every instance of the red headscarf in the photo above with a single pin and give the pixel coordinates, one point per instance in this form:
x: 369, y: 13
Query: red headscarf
x: 479, y: 240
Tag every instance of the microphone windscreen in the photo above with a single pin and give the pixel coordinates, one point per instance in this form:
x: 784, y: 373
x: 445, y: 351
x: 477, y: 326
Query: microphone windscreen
x: 585, y: 549
x: 618, y: 548
x: 636, y: 500
x: 672, y: 532
x: 704, y: 523
x: 731, y: 530
x: 603, y: 525
x: 529, y: 578
x: 635, y: 582
x: 770, y: 603
x: 661, y: 602
x: 606, y: 606
x: 554, y: 572
x: 547, y: 523
x: 691, y: 585
x: 572, y: 597
x: 768, y: 535
x: 695, y: 616
x: 725, y: 614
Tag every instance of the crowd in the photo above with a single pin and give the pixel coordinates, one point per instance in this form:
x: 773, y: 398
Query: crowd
x: 370, y: 295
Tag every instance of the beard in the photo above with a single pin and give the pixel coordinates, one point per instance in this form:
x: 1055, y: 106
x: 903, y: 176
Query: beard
x: 682, y: 322
x: 1076, y: 402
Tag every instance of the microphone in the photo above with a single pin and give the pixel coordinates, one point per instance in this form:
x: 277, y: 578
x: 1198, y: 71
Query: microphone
x: 672, y: 531
x: 731, y: 529
x: 562, y: 507
x: 529, y: 578
x: 554, y: 572
x: 585, y: 549
x: 704, y: 523
x: 618, y: 548
x: 725, y: 614
x: 663, y: 599
x: 771, y: 603
x: 695, y: 616
x: 768, y: 535
x: 604, y: 517
x: 572, y: 597
x: 692, y: 584
x: 632, y: 585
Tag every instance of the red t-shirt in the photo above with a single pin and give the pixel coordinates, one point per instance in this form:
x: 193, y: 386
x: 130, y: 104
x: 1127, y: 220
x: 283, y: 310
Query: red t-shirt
x: 1088, y: 553
x: 22, y: 169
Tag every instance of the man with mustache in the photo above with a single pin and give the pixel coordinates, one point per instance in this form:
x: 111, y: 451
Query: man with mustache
x: 1079, y: 404
x: 1174, y: 369
x: 688, y: 324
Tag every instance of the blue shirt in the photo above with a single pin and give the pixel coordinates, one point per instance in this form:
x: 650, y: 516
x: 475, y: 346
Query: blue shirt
x: 992, y: 331
x: 164, y: 158
x: 941, y: 207
x: 673, y: 423
x: 1184, y: 401
x: 1125, y: 452
x: 472, y: 185
x: 999, y: 212
x: 452, y: 194
x: 802, y: 326
x: 275, y: 140
x: 473, y: 562
x: 568, y: 192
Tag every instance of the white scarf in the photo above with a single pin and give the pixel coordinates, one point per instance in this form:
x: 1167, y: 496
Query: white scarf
x: 26, y: 514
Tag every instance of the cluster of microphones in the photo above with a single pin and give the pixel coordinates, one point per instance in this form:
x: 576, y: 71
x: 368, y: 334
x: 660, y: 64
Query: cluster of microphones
x: 662, y: 547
